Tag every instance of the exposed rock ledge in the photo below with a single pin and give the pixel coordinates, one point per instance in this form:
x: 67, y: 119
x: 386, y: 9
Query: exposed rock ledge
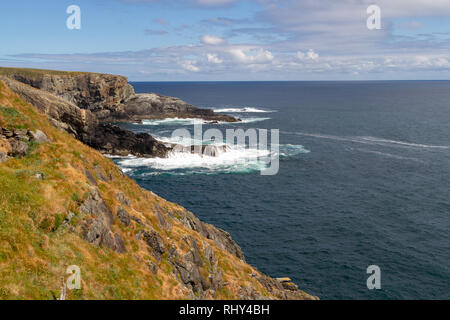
x: 109, y: 97
x: 83, y: 125
x: 156, y: 106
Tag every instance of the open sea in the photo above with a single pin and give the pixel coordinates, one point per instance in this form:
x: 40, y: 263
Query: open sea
x: 364, y: 180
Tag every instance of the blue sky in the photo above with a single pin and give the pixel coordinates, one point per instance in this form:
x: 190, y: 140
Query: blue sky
x: 165, y: 40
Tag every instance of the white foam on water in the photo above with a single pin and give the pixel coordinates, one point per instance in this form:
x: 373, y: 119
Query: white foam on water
x: 370, y: 140
x: 184, y: 141
x: 290, y: 150
x: 183, y: 160
x: 118, y: 157
x: 174, y: 121
x: 236, y: 159
x: 251, y: 120
x: 242, y: 110
x: 192, y: 121
x: 402, y: 143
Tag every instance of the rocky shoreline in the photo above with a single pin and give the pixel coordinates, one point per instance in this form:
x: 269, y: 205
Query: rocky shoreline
x: 87, y: 105
x: 105, y: 209
x: 156, y: 106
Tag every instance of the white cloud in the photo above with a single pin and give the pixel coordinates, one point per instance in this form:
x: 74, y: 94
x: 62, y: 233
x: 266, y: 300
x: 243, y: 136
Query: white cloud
x: 212, y: 40
x: 251, y: 56
x: 212, y: 58
x: 189, y: 65
x: 310, y: 55
x: 270, y: 39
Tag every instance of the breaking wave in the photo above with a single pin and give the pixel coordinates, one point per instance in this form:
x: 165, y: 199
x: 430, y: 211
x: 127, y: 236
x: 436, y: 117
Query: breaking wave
x: 192, y: 121
x: 235, y: 160
x: 242, y: 110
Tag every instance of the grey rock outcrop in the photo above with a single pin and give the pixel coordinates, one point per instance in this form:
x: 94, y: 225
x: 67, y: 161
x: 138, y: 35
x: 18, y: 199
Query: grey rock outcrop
x: 220, y: 237
x: 18, y: 148
x: 102, y: 94
x: 110, y: 139
x: 155, y: 242
x: 122, y: 199
x: 61, y: 113
x: 109, y: 97
x: 39, y: 136
x: 96, y: 227
x: 83, y: 124
x: 14, y: 142
x: 123, y: 216
x: 156, y: 106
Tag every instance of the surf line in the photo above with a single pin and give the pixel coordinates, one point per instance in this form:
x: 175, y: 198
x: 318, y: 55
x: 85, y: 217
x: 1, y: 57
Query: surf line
x: 257, y: 139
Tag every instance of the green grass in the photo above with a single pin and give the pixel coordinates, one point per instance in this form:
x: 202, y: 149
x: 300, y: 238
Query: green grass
x: 39, y: 72
x: 14, y: 118
x: 36, y: 72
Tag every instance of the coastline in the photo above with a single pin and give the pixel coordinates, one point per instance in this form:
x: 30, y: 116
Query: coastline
x: 105, y: 232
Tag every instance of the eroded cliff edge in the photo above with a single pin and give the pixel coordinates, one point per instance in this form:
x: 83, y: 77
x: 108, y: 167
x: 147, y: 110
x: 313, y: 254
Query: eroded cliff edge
x: 109, y: 97
x: 64, y: 203
x: 84, y: 125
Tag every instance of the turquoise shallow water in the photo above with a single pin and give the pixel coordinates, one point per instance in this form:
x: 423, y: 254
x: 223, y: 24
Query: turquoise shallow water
x: 364, y: 179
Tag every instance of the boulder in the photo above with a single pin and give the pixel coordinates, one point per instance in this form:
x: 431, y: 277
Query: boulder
x: 21, y: 134
x: 162, y: 221
x: 7, y: 133
x: 153, y: 267
x: 38, y: 136
x: 123, y: 216
x: 122, y: 199
x: 96, y: 231
x: 5, y: 149
x: 190, y: 274
x: 154, y: 241
x: 18, y: 148
x: 95, y: 205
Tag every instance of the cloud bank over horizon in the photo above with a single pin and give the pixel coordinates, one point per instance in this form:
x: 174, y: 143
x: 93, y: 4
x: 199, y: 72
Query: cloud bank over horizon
x: 246, y: 40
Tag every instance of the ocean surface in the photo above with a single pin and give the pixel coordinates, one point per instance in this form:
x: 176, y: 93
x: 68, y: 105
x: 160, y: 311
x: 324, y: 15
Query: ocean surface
x: 364, y: 180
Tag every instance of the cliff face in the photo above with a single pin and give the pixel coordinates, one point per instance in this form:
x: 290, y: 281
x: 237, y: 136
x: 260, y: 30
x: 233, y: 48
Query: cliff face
x: 103, y: 94
x: 63, y: 203
x: 83, y: 124
x: 63, y: 114
x: 109, y: 97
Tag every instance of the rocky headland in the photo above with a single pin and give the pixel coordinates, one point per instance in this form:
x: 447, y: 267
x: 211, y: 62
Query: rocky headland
x: 87, y: 105
x: 63, y: 203
x: 110, y: 97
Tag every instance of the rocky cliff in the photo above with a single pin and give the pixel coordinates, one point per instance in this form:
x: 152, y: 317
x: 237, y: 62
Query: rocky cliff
x: 63, y: 203
x: 109, y: 97
x: 83, y: 124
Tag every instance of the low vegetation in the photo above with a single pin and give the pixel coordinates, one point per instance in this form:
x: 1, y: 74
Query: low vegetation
x: 40, y: 224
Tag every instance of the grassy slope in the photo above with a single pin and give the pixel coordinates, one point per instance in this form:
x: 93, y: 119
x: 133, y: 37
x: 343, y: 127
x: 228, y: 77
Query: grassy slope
x: 36, y: 248
x: 38, y: 72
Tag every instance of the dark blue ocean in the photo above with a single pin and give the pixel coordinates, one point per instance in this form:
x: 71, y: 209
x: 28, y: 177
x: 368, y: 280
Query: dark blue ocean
x: 364, y: 180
